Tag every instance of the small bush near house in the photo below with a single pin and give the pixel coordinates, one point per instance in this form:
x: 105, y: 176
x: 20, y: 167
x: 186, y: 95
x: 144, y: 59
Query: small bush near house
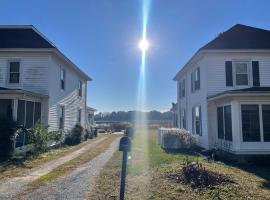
x: 75, y: 136
x: 7, y: 135
x: 178, y: 139
x: 40, y: 137
x: 196, y: 176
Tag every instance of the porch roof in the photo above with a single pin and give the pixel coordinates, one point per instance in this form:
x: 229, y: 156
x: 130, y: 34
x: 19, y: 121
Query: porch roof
x: 4, y: 90
x: 241, y: 92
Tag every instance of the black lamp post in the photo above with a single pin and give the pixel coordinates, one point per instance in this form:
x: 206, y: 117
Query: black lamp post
x: 125, y: 146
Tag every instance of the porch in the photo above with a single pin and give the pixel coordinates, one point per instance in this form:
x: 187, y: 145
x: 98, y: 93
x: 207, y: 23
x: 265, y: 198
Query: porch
x: 26, y: 108
x: 239, y: 122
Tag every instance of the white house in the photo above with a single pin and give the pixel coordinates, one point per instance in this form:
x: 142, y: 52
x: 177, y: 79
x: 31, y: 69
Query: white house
x: 224, y: 92
x: 38, y: 82
x: 90, y: 114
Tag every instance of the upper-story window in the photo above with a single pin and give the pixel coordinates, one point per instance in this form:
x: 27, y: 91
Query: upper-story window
x: 182, y: 88
x: 80, y: 88
x: 63, y: 78
x: 14, y: 72
x: 241, y: 73
x: 195, y: 80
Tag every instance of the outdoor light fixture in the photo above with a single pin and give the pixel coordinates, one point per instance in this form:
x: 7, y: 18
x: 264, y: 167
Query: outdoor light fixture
x: 143, y: 44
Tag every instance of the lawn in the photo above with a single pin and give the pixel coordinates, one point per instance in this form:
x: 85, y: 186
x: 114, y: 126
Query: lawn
x: 147, y: 176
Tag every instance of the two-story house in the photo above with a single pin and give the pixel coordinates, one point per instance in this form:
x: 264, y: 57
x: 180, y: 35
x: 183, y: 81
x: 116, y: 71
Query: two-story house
x: 224, y: 92
x: 38, y: 82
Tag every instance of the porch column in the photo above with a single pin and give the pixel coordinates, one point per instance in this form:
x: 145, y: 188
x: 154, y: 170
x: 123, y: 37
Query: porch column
x: 15, y: 109
x: 236, y: 112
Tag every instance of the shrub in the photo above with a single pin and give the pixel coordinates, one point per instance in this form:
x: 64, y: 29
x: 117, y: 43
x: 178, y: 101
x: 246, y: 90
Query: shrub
x: 40, y: 137
x: 178, y: 139
x: 7, y: 135
x: 75, y: 136
x: 196, y: 176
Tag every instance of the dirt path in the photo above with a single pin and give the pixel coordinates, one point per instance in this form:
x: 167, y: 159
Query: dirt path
x: 79, y: 183
x: 10, y: 187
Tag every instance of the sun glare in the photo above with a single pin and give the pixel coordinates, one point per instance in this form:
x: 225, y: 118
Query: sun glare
x: 143, y: 44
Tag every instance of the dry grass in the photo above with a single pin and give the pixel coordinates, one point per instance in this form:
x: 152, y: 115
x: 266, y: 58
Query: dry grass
x: 150, y: 181
x: 17, y: 167
x: 74, y: 163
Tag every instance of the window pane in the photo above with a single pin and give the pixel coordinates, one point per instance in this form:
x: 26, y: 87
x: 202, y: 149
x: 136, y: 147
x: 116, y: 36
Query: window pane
x: 15, y: 67
x: 21, y: 112
x: 37, y: 116
x: 250, y: 123
x: 241, y: 68
x: 228, y: 123
x: 242, y: 79
x: 14, y: 77
x: 266, y: 122
x: 220, y: 122
x: 29, y: 114
x: 79, y: 115
x: 62, y: 79
x: 183, y: 88
x: 5, y: 108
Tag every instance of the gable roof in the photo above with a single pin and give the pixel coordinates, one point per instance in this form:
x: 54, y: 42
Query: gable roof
x: 28, y: 37
x: 241, y: 37
x: 236, y: 38
x: 22, y: 37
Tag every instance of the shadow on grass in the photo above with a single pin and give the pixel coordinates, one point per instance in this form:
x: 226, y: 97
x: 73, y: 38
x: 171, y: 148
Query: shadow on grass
x: 184, y: 152
x: 258, y: 166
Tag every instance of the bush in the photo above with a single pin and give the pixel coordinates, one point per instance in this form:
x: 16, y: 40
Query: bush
x: 40, y: 137
x: 196, y: 176
x: 7, y: 135
x: 177, y: 139
x: 75, y: 136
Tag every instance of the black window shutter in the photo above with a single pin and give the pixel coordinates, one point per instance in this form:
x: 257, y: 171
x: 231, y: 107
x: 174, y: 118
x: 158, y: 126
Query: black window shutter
x: 229, y: 73
x: 256, y: 73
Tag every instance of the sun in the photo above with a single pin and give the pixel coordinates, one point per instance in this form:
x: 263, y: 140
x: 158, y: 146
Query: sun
x: 143, y: 44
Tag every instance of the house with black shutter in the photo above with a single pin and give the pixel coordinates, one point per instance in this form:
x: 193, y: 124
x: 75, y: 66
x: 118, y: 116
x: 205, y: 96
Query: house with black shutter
x: 223, y: 92
x: 38, y: 82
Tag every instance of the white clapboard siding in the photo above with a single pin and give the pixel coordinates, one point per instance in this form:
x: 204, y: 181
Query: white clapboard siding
x: 69, y: 98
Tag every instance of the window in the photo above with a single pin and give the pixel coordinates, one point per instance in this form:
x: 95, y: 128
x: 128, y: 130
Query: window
x: 196, y: 120
x: 61, y: 117
x: 224, y: 121
x: 182, y: 88
x: 28, y: 113
x: 266, y: 122
x: 250, y: 123
x: 183, y: 119
x: 241, y: 73
x: 5, y: 108
x: 195, y: 80
x: 80, y: 88
x: 220, y: 121
x: 62, y: 79
x: 79, y: 115
x: 14, y: 72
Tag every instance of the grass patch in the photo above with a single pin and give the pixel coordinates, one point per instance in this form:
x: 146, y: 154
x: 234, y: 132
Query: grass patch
x: 148, y: 176
x: 17, y: 166
x: 74, y: 163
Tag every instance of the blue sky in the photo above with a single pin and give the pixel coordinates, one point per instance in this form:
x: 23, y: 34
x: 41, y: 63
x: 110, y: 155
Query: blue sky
x: 101, y: 37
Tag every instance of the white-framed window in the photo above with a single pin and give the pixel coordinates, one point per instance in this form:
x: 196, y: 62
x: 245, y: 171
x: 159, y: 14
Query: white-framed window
x: 80, y: 88
x: 197, y: 120
x: 182, y: 88
x: 79, y: 115
x: 62, y: 117
x: 255, y: 122
x: 242, y: 77
x: 224, y: 122
x: 14, y: 72
x: 195, y: 80
x: 62, y: 78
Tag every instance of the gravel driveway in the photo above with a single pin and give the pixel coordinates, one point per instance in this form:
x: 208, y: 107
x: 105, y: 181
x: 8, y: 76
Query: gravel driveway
x: 9, y: 188
x: 78, y: 184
